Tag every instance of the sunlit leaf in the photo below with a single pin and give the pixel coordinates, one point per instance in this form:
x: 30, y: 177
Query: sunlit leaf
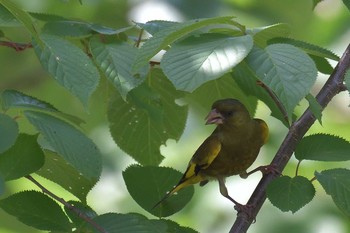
x: 263, y: 34
x: 199, y: 59
x: 286, y: 70
x: 168, y: 35
x: 155, y: 26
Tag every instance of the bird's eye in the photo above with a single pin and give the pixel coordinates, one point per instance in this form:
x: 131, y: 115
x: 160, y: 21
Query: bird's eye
x: 230, y: 113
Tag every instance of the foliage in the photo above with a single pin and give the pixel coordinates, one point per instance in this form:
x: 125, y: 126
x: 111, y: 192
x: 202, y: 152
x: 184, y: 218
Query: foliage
x: 148, y: 102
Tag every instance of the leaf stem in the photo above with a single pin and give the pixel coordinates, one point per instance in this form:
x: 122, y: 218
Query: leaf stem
x: 297, y: 169
x: 68, y: 205
x: 276, y: 100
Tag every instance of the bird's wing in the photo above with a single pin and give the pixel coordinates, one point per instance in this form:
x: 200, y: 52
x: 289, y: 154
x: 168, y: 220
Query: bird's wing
x: 201, y: 159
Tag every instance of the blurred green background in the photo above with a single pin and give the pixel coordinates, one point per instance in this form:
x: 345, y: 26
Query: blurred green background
x: 328, y: 25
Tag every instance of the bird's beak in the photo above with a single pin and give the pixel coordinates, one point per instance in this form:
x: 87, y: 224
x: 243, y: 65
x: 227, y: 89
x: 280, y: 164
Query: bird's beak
x: 214, y: 117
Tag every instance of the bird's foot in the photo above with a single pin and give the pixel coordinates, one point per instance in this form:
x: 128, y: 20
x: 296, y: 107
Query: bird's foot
x: 266, y: 169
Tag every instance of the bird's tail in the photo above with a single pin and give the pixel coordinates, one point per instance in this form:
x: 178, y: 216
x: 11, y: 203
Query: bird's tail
x: 184, y: 182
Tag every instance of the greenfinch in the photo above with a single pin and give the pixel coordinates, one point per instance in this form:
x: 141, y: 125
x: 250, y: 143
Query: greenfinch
x: 229, y: 150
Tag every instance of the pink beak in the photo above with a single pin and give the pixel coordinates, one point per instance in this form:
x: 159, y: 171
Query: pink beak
x: 214, y: 117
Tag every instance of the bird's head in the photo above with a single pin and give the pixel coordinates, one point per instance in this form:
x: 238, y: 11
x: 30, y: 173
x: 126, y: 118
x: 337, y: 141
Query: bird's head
x: 227, y: 112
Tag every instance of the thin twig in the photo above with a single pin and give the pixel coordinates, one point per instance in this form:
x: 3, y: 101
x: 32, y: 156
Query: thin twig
x: 139, y: 39
x: 332, y: 87
x: 16, y: 46
x: 68, y: 205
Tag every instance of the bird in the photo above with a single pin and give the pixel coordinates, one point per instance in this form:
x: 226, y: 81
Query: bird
x: 230, y: 150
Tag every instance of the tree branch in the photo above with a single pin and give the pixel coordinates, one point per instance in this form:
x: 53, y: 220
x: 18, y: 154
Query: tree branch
x: 332, y: 87
x: 68, y: 205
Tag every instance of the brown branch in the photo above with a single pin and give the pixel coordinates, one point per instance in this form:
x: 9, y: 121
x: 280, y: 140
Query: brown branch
x: 16, y: 46
x: 332, y: 87
x: 68, y: 205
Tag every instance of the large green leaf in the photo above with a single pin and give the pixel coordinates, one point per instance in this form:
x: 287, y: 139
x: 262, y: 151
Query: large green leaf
x: 37, y: 210
x: 286, y: 70
x: 323, y: 147
x: 8, y: 132
x: 76, y: 148
x: 23, y: 158
x: 199, y: 59
x: 150, y: 117
x: 15, y: 99
x: 263, y: 34
x: 168, y: 35
x: 148, y: 185
x: 59, y: 171
x: 247, y: 81
x: 290, y: 194
x: 115, y: 61
x: 69, y: 65
x: 336, y: 183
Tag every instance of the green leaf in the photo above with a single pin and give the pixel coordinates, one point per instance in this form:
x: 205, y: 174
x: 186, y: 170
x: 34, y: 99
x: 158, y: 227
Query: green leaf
x: 322, y: 64
x: 115, y: 61
x: 22, y: 159
x: 323, y: 147
x: 307, y: 47
x: 8, y: 132
x: 290, y: 194
x: 13, y: 99
x: 139, y: 126
x: 2, y: 185
x: 263, y: 34
x: 315, y: 107
x: 148, y: 185
x: 247, y: 81
x: 168, y: 35
x: 59, y: 171
x: 165, y: 225
x: 24, y: 18
x: 199, y: 59
x: 125, y: 223
x: 336, y: 183
x: 286, y: 70
x: 76, y: 148
x: 70, y: 28
x: 155, y: 26
x: 84, y: 209
x: 221, y: 88
x: 347, y: 4
x: 36, y: 210
x: 46, y: 17
x: 7, y: 19
x: 69, y: 65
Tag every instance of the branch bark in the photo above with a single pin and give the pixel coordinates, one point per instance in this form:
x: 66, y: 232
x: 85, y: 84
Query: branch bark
x: 332, y: 87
